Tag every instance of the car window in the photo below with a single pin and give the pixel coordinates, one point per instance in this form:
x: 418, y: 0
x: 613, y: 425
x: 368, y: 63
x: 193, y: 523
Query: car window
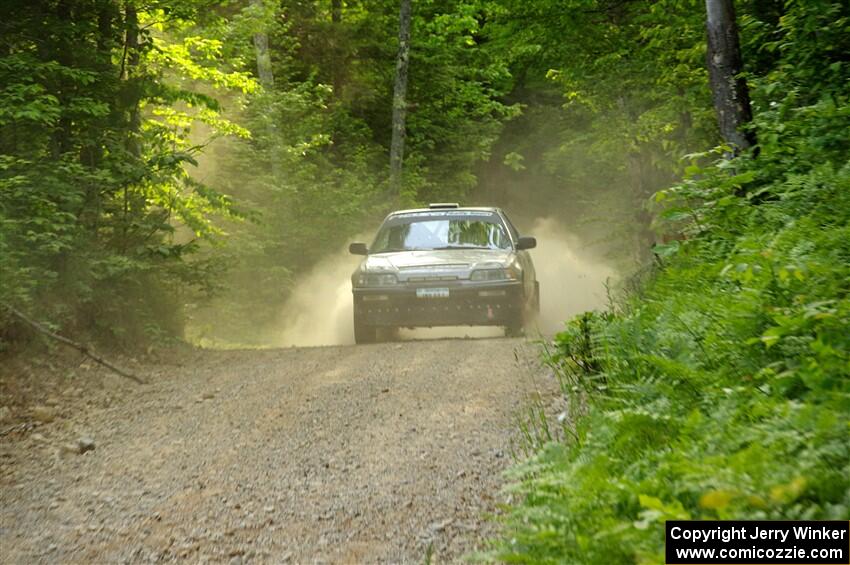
x: 511, y: 228
x: 418, y: 232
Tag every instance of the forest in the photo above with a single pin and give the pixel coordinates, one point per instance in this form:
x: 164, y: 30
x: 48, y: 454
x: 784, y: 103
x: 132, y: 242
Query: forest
x: 173, y: 168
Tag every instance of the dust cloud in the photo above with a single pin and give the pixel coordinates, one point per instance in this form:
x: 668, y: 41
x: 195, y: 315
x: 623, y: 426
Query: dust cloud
x: 319, y: 310
x: 572, y: 279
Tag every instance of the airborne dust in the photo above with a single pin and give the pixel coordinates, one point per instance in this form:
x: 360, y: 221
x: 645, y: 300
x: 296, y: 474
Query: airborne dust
x: 319, y: 310
x: 572, y: 266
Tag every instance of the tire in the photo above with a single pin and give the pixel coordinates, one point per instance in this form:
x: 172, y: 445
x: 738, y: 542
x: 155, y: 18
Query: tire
x: 535, y: 302
x: 364, y: 333
x: 514, y: 329
x: 389, y: 334
x: 530, y: 313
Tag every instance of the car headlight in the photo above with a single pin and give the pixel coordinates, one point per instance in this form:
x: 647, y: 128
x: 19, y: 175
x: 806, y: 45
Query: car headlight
x: 376, y: 279
x: 509, y: 274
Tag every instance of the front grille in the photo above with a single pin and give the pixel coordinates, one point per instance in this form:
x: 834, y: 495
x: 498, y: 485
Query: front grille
x: 494, y: 306
x: 441, y: 267
x: 427, y: 278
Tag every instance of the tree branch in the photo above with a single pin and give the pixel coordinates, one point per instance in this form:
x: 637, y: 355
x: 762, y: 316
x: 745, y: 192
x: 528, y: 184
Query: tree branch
x: 70, y: 343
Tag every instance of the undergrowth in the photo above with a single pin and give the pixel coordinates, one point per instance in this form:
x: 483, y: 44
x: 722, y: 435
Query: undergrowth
x: 721, y: 390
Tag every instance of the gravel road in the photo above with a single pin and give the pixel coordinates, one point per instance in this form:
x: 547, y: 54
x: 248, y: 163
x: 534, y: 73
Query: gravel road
x: 380, y: 453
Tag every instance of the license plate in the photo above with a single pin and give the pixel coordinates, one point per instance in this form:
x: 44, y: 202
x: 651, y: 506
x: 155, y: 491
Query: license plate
x: 432, y: 293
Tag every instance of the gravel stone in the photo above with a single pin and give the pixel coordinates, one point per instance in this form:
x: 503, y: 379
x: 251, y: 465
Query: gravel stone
x: 355, y: 454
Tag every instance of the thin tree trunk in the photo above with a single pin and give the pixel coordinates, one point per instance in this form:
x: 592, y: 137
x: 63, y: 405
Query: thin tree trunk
x: 64, y: 55
x: 132, y: 93
x: 400, y: 97
x: 261, y: 48
x: 336, y: 51
x: 92, y: 151
x: 266, y: 75
x: 728, y: 88
x: 131, y: 98
x: 686, y: 123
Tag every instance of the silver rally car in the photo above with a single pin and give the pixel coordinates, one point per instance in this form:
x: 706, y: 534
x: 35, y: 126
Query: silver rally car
x: 444, y: 266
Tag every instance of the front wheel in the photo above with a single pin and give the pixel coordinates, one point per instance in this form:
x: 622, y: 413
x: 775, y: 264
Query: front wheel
x: 514, y: 329
x: 534, y: 312
x: 364, y: 333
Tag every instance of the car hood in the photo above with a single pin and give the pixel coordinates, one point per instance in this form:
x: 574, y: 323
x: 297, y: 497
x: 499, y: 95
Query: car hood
x: 433, y: 264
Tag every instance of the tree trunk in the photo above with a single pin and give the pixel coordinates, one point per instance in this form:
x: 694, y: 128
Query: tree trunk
x: 132, y: 94
x: 134, y: 202
x: 92, y: 149
x: 64, y: 55
x: 336, y: 50
x: 261, y: 48
x: 729, y: 90
x: 400, y: 97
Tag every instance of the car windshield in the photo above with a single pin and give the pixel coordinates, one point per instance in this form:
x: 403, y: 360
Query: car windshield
x: 411, y: 232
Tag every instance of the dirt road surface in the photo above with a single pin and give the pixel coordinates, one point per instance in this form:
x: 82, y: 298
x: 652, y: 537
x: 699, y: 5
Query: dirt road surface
x: 369, y: 454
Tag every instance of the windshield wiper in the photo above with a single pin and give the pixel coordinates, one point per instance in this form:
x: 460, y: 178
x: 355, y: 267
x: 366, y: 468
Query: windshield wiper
x: 397, y: 249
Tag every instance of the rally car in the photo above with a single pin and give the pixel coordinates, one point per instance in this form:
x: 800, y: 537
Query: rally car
x: 444, y: 265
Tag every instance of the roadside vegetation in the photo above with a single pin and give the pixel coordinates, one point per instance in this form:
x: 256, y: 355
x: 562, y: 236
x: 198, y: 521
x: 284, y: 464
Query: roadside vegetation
x: 157, y: 156
x: 717, y: 384
x: 170, y: 169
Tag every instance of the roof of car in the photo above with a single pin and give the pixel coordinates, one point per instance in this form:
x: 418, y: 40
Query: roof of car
x: 438, y: 210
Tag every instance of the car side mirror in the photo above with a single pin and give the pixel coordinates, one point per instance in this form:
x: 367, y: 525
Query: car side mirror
x: 526, y: 242
x: 358, y: 249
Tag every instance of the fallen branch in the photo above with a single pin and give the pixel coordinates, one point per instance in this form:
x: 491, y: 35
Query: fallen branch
x: 70, y: 343
x: 26, y: 426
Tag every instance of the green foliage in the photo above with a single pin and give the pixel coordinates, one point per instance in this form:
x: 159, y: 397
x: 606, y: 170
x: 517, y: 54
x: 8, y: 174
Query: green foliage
x: 97, y: 211
x: 456, y: 89
x: 721, y: 390
x: 315, y: 168
x: 142, y: 166
x: 134, y: 136
x: 613, y: 94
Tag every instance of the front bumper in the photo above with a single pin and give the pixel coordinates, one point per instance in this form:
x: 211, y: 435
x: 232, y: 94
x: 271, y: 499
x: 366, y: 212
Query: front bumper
x: 468, y: 304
